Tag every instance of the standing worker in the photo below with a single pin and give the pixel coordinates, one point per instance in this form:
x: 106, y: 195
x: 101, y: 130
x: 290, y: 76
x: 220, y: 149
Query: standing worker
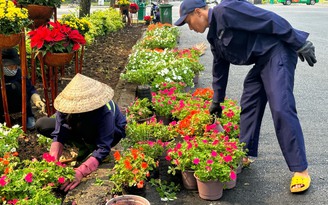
x: 87, y: 118
x: 243, y: 34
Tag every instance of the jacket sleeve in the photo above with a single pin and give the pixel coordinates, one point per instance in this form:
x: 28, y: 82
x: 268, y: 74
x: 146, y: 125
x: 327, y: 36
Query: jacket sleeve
x: 220, y: 72
x: 62, y: 130
x: 242, y: 15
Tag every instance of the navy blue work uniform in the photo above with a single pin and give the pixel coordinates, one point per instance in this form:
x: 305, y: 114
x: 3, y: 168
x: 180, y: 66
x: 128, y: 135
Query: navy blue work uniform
x: 243, y: 34
x: 94, y: 132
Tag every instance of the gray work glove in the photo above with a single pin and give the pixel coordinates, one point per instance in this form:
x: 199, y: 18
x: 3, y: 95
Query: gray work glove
x: 307, y: 53
x: 216, y: 109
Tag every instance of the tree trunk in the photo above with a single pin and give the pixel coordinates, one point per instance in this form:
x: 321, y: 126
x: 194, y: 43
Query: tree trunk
x: 85, y: 6
x: 111, y: 3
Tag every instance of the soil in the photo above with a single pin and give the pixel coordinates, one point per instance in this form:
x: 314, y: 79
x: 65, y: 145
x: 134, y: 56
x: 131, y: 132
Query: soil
x: 104, y: 60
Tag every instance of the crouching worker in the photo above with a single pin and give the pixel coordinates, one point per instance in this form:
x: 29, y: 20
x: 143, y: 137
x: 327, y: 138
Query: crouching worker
x: 13, y: 79
x: 87, y: 118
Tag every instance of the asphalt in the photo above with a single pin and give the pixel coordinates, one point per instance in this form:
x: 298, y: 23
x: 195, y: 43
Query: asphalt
x: 267, y: 180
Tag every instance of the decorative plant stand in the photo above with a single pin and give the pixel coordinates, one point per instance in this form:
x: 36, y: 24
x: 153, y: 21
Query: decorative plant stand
x: 50, y: 75
x: 9, y: 42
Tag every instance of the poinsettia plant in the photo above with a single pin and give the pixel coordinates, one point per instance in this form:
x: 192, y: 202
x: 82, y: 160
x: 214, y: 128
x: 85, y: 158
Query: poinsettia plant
x: 56, y: 38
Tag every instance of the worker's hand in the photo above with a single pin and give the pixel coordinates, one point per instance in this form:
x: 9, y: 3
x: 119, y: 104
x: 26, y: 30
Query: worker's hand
x: 56, y: 150
x: 36, y: 99
x: 83, y: 170
x: 216, y: 109
x: 307, y: 53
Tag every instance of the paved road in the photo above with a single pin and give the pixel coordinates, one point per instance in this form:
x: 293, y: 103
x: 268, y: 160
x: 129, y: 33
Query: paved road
x: 267, y: 181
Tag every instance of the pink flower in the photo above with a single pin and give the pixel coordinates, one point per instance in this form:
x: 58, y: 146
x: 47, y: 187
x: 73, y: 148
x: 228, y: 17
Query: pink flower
x: 179, y: 146
x: 3, y: 180
x: 208, y: 168
x: 29, y: 177
x: 196, y: 161
x: 168, y: 158
x: 214, y: 153
x: 209, y: 161
x: 227, y: 158
x: 48, y: 157
x: 233, y: 175
x: 14, y: 201
x: 61, y: 180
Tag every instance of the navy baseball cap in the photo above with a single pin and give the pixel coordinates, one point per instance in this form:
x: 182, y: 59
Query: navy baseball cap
x: 186, y: 7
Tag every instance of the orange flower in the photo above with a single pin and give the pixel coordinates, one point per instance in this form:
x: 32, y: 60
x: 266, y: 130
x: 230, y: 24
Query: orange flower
x: 7, y: 170
x: 135, y: 171
x: 117, y: 155
x: 144, y: 165
x: 140, y: 184
x: 127, y: 164
x: 5, y: 162
x: 15, y: 154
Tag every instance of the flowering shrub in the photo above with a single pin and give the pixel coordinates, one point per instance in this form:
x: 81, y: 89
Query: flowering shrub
x: 149, y: 130
x: 154, y: 149
x: 32, y: 181
x: 139, y: 109
x: 164, y: 37
x: 55, y: 3
x: 56, y: 38
x: 230, y: 117
x: 217, y: 156
x: 81, y: 24
x: 195, y: 123
x: 12, y: 18
x: 131, y: 169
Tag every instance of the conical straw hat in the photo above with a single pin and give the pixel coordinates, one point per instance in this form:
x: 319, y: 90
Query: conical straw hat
x: 83, y: 94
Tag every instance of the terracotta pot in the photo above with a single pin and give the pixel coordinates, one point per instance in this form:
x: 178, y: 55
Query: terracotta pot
x: 230, y: 184
x: 189, y: 180
x: 9, y: 41
x: 128, y: 200
x: 209, y: 190
x: 58, y: 59
x: 39, y: 14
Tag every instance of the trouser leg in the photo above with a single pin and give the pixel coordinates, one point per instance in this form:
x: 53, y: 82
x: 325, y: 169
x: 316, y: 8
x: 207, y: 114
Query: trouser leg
x: 45, y: 126
x: 278, y: 78
x: 253, y: 102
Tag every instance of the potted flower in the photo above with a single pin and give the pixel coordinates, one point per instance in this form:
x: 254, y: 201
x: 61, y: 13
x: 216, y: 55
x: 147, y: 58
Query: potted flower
x: 130, y: 171
x: 140, y: 110
x: 56, y: 42
x: 147, y: 19
x: 12, y: 22
x: 123, y: 4
x: 83, y: 25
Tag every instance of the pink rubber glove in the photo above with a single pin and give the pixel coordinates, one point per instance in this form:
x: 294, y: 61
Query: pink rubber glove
x: 83, y: 170
x: 56, y: 149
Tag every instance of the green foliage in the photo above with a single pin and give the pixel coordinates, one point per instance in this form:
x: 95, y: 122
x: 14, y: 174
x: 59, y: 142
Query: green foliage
x: 167, y: 191
x: 44, y: 141
x: 9, y: 138
x: 104, y: 22
x: 139, y: 109
x: 31, y: 181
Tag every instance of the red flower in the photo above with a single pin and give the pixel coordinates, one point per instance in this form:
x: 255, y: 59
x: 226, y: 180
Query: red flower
x: 117, y: 156
x: 140, y: 184
x: 61, y: 180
